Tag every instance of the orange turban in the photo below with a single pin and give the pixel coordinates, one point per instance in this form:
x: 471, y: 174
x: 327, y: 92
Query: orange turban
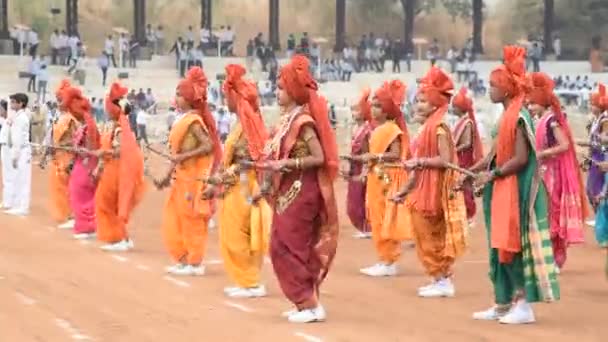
x: 193, y: 89
x: 391, y: 95
x: 464, y: 103
x: 242, y: 97
x: 364, y: 105
x: 510, y: 78
x: 80, y: 107
x: 437, y: 86
x: 63, y: 86
x: 600, y: 99
x: 296, y: 80
x: 131, y: 157
x: 541, y: 91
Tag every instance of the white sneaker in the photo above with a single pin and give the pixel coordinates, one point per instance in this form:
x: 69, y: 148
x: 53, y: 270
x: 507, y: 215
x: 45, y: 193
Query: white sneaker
x: 84, y: 236
x: 229, y: 289
x: 174, y: 268
x: 425, y: 287
x: 492, y: 314
x: 590, y: 222
x: 380, y: 270
x: 557, y: 270
x: 252, y: 292
x: 4, y: 207
x: 362, y: 235
x: 440, y: 288
x: 288, y: 313
x: 69, y: 224
x: 17, y: 212
x: 189, y: 270
x: 308, y: 315
x: 130, y: 244
x: 121, y: 246
x: 521, y: 313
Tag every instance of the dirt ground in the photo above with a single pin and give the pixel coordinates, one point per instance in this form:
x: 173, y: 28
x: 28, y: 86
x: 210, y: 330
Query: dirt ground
x: 53, y: 288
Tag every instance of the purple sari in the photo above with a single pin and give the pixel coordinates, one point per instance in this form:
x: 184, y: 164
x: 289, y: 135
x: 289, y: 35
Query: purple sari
x: 595, y: 177
x: 82, y: 188
x: 355, y: 198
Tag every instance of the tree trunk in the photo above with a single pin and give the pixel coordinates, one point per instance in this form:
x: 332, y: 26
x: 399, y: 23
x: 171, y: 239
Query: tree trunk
x: 273, y: 24
x: 548, y: 26
x: 206, y: 16
x: 4, y: 34
x: 477, y: 26
x: 340, y: 25
x: 139, y: 16
x: 409, y: 7
x: 71, y: 16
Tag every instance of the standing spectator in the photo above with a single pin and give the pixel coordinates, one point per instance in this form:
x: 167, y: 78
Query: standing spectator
x: 557, y: 47
x: 206, y: 39
x: 34, y: 69
x: 250, y: 54
x: 75, y: 55
x: 535, y: 55
x: 151, y: 38
x: 43, y: 80
x: 451, y: 57
x: 229, y: 39
x: 177, y: 46
x: 190, y: 35
x: 73, y: 41
x: 150, y: 101
x: 103, y: 62
x: 223, y: 124
x: 33, y: 41
x: 109, y: 49
x: 64, y: 48
x: 183, y: 60
x: 133, y: 52
x: 141, y: 121
x: 160, y: 40
x: 101, y: 112
x: 396, y: 54
x: 433, y: 52
x: 140, y: 99
x: 291, y: 45
x: 123, y: 46
x: 54, y: 43
x: 305, y: 44
x: 347, y: 69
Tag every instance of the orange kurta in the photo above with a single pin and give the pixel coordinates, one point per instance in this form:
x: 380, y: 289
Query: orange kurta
x: 58, y: 171
x: 390, y: 222
x: 111, y: 228
x: 186, y: 214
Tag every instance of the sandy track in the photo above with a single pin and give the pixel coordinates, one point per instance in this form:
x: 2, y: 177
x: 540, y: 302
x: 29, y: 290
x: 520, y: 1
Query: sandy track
x: 53, y: 288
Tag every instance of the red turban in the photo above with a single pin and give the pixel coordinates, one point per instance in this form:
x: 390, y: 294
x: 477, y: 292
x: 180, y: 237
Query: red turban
x: 464, y: 103
x: 365, y: 106
x: 242, y: 97
x: 63, y: 86
x: 437, y: 86
x: 510, y: 78
x: 296, y: 80
x: 600, y: 99
x: 80, y: 107
x: 391, y: 96
x: 131, y: 157
x: 193, y: 89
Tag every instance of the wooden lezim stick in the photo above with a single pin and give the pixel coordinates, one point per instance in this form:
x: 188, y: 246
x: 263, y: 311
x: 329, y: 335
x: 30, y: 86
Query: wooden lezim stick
x: 56, y: 147
x: 447, y: 165
x: 155, y: 151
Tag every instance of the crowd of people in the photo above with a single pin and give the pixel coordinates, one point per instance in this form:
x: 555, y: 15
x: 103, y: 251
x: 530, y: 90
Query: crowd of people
x: 276, y: 187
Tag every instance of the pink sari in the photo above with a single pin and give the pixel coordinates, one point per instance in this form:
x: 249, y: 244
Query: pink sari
x: 355, y: 198
x: 562, y: 183
x: 82, y: 188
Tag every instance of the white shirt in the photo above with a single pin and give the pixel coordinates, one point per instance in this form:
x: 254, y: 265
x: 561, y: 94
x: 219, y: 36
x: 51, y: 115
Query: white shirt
x: 123, y: 44
x: 73, y: 42
x: 205, y: 35
x: 141, y: 118
x: 54, y: 41
x: 62, y: 41
x: 20, y: 132
x: 4, y: 131
x: 32, y: 38
x: 108, y: 46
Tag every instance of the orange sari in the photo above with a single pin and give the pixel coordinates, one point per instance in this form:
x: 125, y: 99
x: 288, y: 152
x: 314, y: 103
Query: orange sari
x: 59, y: 176
x: 111, y: 227
x: 390, y: 221
x: 186, y: 214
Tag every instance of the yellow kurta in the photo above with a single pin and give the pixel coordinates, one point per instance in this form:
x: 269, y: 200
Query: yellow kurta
x: 244, y: 228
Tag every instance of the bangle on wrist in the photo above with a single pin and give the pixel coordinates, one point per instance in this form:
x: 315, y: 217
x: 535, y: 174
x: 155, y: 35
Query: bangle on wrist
x: 496, y: 173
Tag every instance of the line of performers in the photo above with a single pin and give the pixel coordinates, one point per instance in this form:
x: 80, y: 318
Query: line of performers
x: 273, y: 190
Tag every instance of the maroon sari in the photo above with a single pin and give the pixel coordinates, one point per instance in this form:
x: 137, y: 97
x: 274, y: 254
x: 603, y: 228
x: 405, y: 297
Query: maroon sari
x: 305, y: 220
x: 466, y: 159
x: 355, y: 197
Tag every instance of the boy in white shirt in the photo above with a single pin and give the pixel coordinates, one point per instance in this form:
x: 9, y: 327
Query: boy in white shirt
x: 7, y: 184
x: 20, y: 168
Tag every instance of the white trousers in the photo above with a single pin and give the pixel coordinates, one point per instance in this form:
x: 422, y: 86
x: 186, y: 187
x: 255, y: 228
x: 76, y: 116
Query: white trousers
x: 20, y: 179
x: 8, y: 180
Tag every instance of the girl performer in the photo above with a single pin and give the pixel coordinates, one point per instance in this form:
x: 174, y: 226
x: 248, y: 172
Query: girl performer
x: 195, y: 149
x: 121, y: 184
x: 559, y: 167
x: 61, y: 161
x: 244, y: 227
x: 355, y: 198
x: 522, y: 268
x: 438, y: 213
x: 468, y: 143
x: 598, y: 136
x: 82, y: 183
x: 389, y: 141
x: 303, y: 158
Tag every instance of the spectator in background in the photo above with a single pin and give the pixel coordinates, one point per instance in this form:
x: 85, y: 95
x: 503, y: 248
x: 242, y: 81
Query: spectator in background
x: 396, y: 51
x: 536, y: 55
x: 250, y: 54
x: 109, y: 49
x: 54, y: 44
x: 451, y: 57
x: 141, y: 121
x: 103, y: 62
x: 64, y: 48
x: 150, y: 101
x: 34, y: 69
x: 151, y: 38
x: 291, y: 45
x: 43, y: 80
x: 123, y: 46
x: 140, y: 99
x: 432, y: 53
x: 33, y: 41
x: 101, y: 112
x: 133, y: 52
x: 160, y: 40
x: 73, y: 53
x: 305, y: 44
x: 190, y: 36
x: 177, y: 46
x: 557, y: 47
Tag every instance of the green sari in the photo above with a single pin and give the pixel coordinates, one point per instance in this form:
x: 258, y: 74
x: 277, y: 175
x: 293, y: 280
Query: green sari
x: 532, y: 269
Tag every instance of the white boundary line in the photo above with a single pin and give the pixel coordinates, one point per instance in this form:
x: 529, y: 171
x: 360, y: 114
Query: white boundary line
x: 70, y: 330
x: 237, y: 306
x: 119, y: 258
x: 142, y: 267
x: 25, y: 300
x: 307, y: 337
x: 177, y: 282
